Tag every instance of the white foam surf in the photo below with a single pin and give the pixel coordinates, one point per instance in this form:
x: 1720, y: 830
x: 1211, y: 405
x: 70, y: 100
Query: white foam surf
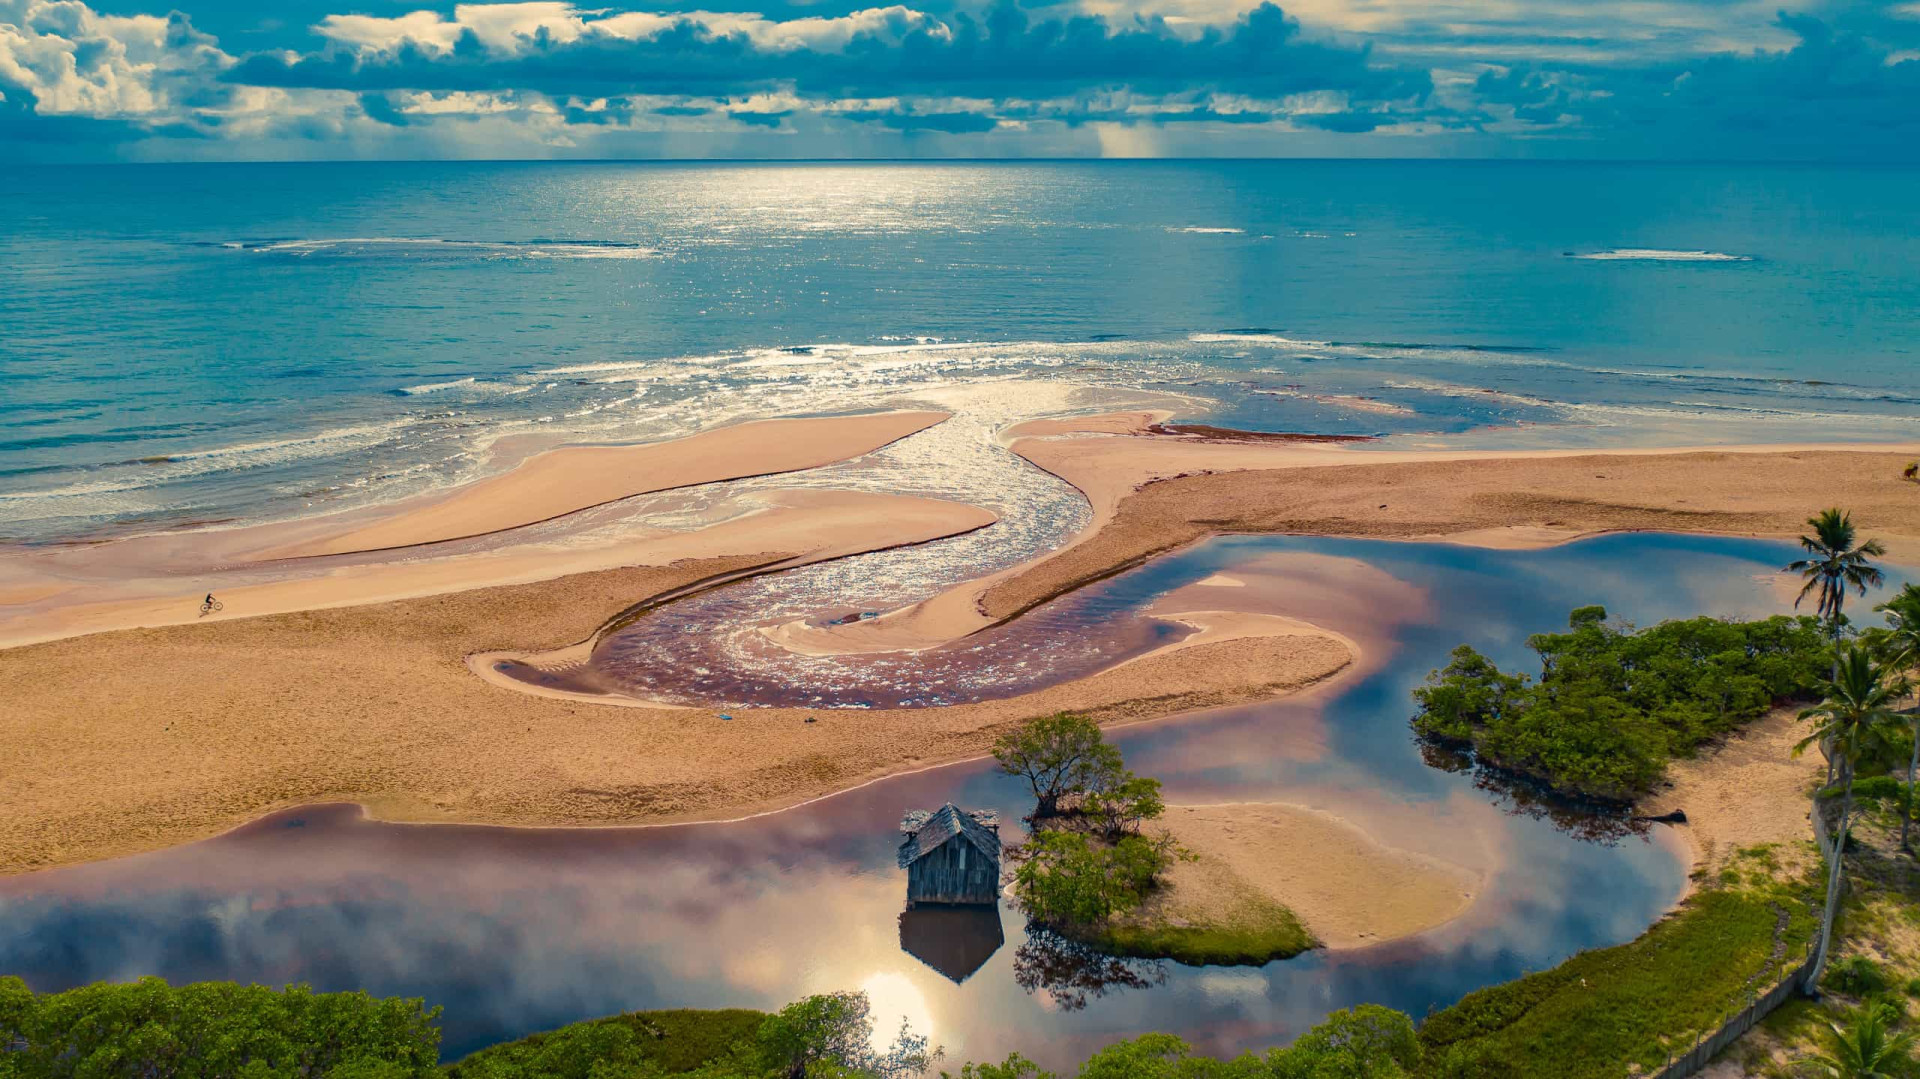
x: 1656, y: 254
x: 430, y: 247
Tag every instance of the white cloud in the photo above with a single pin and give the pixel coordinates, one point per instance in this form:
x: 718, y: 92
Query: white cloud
x: 76, y: 62
x: 509, y: 29
x: 369, y: 33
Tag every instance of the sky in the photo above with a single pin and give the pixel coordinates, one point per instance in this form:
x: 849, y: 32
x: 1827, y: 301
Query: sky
x: 103, y: 80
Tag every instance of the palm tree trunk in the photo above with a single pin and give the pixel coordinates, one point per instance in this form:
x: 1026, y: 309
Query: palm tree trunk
x: 1835, y: 861
x: 1833, y: 635
x: 1913, y: 767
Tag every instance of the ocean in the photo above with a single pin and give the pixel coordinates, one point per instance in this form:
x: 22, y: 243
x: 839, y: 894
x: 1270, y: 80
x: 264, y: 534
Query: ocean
x: 183, y: 345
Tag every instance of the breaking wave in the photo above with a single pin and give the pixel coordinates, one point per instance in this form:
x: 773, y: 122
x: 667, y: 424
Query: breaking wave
x: 1655, y: 254
x: 441, y: 249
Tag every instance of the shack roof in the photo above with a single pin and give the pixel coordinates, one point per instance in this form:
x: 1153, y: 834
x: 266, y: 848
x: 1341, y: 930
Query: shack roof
x: 927, y: 832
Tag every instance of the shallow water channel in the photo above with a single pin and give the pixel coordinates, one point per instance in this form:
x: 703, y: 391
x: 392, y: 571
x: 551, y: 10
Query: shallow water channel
x: 516, y: 930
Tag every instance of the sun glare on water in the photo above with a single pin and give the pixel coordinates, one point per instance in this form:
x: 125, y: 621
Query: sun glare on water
x: 895, y: 998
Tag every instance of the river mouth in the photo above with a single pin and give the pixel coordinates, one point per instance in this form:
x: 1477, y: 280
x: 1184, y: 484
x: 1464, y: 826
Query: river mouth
x: 516, y: 930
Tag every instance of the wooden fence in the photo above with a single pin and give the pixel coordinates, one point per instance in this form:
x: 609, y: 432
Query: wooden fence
x: 1758, y: 1007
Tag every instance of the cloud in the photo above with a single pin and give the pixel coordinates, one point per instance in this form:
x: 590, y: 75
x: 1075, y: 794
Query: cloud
x: 1836, y: 93
x: 72, y: 62
x: 1641, y: 78
x: 1002, y: 52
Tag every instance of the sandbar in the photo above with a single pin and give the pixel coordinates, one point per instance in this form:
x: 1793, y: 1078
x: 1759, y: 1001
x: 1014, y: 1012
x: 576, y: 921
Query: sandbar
x: 819, y: 524
x: 1151, y: 494
x: 139, y: 739
x: 572, y: 478
x: 1350, y: 889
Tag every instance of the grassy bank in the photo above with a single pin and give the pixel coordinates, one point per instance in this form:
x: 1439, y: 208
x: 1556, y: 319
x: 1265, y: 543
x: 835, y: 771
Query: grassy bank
x: 1233, y: 943
x: 1255, y: 932
x: 1876, y: 948
x: 1637, y: 1003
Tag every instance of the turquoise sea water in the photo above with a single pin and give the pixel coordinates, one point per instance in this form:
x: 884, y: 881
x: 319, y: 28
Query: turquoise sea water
x: 190, y: 343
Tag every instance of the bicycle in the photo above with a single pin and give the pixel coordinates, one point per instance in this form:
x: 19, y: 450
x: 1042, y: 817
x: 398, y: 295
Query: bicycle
x: 211, y: 605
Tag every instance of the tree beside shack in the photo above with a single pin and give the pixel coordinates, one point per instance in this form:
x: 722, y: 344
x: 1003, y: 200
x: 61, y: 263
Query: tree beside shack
x: 952, y: 856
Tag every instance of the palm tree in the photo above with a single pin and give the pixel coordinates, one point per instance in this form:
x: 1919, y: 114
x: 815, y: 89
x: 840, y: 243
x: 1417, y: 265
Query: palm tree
x: 1864, y: 1047
x: 1901, y: 641
x: 1833, y: 566
x: 1854, y: 713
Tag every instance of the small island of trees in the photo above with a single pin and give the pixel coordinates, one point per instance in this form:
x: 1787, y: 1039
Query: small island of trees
x: 1091, y: 869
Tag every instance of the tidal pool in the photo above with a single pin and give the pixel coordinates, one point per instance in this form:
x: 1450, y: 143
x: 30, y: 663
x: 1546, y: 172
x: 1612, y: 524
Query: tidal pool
x: 517, y: 930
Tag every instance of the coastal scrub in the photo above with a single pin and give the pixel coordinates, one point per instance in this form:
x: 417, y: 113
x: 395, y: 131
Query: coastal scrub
x: 1613, y: 704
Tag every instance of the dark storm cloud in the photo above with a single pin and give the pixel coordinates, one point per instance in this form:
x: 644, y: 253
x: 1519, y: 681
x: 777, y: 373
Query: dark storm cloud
x: 381, y: 110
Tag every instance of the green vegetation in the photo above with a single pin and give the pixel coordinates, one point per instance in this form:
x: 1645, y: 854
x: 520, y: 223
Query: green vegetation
x: 1857, y: 975
x: 1061, y: 756
x: 1851, y: 722
x: 1367, y: 1042
x: 1066, y: 880
x: 219, y: 1030
x: 1089, y: 871
x: 1898, y: 645
x: 1632, y: 1004
x: 1258, y: 932
x: 212, y: 1030
x: 1863, y: 1045
x: 1834, y: 566
x: 676, y: 1042
x: 1613, y: 705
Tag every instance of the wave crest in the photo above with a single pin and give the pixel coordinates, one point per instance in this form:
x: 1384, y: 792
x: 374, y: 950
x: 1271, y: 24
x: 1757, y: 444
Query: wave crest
x: 427, y: 248
x: 1656, y: 254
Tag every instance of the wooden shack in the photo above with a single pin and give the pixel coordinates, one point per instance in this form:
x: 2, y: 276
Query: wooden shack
x: 952, y: 856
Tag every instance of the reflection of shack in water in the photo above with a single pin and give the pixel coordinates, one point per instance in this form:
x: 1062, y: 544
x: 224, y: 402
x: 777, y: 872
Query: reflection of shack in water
x: 956, y: 941
x: 952, y: 856
x: 952, y: 859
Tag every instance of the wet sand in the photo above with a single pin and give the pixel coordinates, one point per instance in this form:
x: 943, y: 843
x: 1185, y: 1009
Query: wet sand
x: 1350, y: 889
x: 572, y: 478
x: 819, y: 524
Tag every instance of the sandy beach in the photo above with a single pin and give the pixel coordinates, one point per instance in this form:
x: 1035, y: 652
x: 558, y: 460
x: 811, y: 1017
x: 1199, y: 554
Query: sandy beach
x: 352, y: 682
x: 1749, y: 791
x: 139, y: 739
